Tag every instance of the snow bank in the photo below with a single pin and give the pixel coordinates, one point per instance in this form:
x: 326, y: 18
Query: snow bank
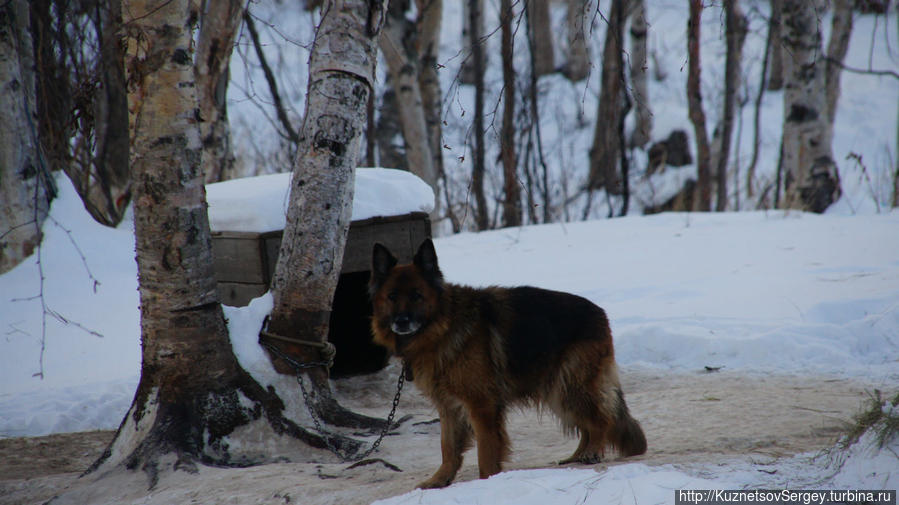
x: 861, y: 466
x: 754, y: 292
x: 259, y: 204
x: 633, y: 483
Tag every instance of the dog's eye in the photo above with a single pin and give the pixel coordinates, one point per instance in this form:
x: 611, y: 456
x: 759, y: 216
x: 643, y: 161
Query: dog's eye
x: 392, y: 296
x: 416, y: 296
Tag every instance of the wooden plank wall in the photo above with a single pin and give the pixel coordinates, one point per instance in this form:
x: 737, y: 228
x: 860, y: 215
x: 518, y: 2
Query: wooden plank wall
x: 245, y: 262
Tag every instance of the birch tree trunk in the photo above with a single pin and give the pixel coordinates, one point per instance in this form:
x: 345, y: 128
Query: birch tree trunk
x: 341, y: 78
x: 512, y: 199
x: 736, y: 27
x: 430, y: 15
x: 577, y: 66
x: 811, y: 181
x: 703, y: 202
x: 219, y: 22
x: 538, y: 11
x: 605, y: 152
x: 192, y: 393
x: 639, y: 69
x: 25, y: 190
x: 398, y: 45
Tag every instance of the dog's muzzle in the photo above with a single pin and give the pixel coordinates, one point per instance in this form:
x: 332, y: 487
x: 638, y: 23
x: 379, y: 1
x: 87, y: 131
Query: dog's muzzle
x: 404, y: 326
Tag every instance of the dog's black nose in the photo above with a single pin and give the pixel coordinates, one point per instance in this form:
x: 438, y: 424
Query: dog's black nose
x: 401, y: 319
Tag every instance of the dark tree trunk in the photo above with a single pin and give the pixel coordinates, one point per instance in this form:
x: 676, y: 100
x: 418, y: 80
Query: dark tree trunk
x: 467, y: 73
x: 477, y: 50
x: 775, y: 48
x: 512, y: 200
x: 697, y: 116
x: 639, y: 70
x: 605, y: 152
x: 736, y: 27
x: 541, y: 34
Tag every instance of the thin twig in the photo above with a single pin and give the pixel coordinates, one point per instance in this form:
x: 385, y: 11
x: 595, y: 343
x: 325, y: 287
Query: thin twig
x: 270, y: 78
x: 869, y: 71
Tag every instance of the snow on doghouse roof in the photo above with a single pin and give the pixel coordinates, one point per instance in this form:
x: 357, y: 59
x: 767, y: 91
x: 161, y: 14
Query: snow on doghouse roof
x: 259, y: 204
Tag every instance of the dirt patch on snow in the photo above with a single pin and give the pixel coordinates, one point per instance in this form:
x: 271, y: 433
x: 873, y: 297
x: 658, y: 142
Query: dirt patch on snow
x: 702, y: 417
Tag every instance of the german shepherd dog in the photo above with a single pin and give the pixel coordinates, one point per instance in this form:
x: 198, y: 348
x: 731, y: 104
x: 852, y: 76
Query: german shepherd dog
x: 475, y: 352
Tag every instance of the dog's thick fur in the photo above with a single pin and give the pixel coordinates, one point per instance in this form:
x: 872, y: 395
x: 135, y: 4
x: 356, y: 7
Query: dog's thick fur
x: 475, y: 352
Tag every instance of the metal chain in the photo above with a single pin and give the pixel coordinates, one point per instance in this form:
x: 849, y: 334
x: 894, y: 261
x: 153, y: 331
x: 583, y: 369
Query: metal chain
x: 326, y: 436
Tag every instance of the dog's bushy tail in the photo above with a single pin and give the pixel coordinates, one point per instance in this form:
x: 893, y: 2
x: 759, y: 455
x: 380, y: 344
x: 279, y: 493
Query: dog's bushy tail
x: 627, y: 435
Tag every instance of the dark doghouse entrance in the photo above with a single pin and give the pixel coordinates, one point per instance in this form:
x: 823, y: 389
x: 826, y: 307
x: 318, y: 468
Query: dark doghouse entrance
x: 245, y: 262
x: 350, y: 329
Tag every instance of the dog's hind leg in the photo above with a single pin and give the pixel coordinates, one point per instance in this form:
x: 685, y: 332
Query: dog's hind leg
x: 455, y: 439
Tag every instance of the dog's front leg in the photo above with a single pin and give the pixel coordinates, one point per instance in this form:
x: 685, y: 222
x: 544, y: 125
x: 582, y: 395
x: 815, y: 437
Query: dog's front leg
x: 455, y: 439
x: 489, y: 423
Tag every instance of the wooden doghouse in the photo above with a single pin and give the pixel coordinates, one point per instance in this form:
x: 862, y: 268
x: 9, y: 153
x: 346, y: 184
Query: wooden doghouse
x: 245, y: 263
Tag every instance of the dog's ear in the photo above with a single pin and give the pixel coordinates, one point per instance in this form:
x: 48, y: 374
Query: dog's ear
x: 426, y: 260
x: 382, y: 262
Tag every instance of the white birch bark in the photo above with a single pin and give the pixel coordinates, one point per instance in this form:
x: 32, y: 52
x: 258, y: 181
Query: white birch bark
x: 811, y: 181
x: 24, y: 184
x: 404, y: 71
x: 219, y: 23
x: 341, y: 77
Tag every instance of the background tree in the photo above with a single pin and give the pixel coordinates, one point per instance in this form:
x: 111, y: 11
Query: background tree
x: 606, y: 150
x: 478, y: 67
x: 703, y: 201
x: 639, y: 68
x: 430, y: 17
x: 192, y: 392
x: 401, y: 45
x: 219, y: 23
x: 542, y: 35
x: 735, y: 28
x: 512, y: 193
x: 577, y: 63
x: 25, y: 184
x: 466, y: 72
x: 840, y: 32
x: 775, y: 48
x: 81, y: 100
x: 811, y: 181
x: 341, y: 77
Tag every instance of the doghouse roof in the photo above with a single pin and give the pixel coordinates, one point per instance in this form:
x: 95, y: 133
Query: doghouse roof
x: 259, y: 204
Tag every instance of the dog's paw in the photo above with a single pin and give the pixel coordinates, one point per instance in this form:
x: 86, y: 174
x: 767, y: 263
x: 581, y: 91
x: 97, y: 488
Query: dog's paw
x: 435, y: 482
x: 584, y: 459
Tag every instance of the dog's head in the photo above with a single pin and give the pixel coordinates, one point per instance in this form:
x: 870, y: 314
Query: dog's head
x: 404, y: 298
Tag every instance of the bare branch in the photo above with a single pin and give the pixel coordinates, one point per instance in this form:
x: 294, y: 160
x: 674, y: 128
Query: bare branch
x: 270, y: 78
